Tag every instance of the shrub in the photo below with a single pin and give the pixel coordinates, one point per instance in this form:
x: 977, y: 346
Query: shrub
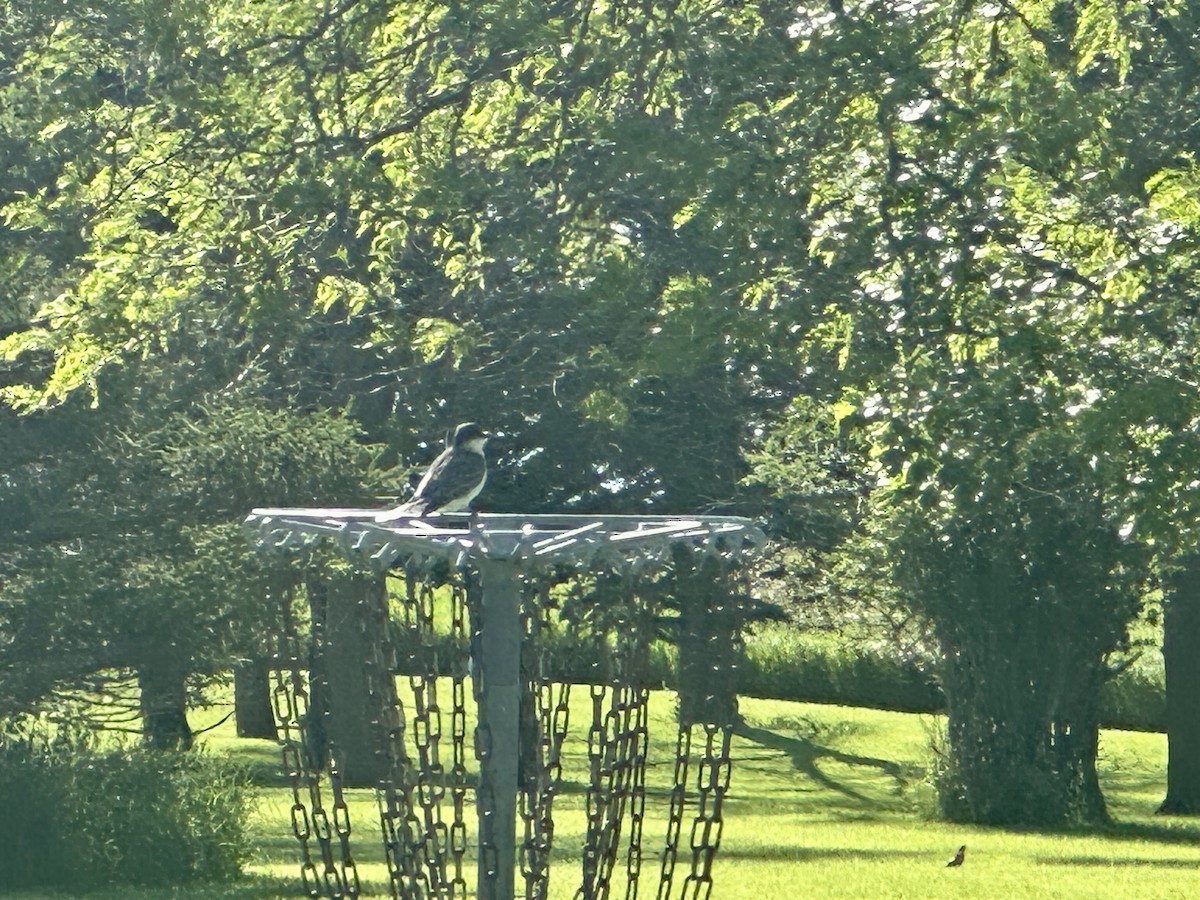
x: 79, y: 818
x: 784, y: 663
x: 1136, y: 700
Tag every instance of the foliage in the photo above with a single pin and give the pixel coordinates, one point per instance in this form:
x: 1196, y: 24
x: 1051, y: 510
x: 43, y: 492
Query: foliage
x: 83, y: 818
x: 853, y: 670
x: 131, y: 556
x: 1134, y: 700
x: 499, y: 219
x: 1013, y: 555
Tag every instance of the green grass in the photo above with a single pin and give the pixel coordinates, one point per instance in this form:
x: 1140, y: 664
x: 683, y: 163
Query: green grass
x: 852, y: 823
x: 826, y: 801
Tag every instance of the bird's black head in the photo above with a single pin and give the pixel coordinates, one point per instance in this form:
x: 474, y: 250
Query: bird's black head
x: 468, y: 432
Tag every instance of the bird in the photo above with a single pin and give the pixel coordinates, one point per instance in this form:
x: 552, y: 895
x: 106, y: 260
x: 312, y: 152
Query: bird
x: 453, y: 480
x: 958, y: 857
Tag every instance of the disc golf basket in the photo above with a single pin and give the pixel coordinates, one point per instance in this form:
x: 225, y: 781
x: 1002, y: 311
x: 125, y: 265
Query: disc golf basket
x: 470, y: 626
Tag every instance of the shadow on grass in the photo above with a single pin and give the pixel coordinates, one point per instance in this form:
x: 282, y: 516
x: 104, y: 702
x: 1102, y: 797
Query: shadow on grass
x: 1148, y: 831
x: 1166, y: 833
x: 805, y: 755
x: 250, y: 887
x: 281, y: 844
x: 255, y: 887
x: 1108, y: 862
x: 792, y: 853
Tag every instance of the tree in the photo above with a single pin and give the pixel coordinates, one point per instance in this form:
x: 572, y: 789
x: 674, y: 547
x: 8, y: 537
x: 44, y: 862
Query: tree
x: 1029, y: 588
x: 1159, y: 241
x: 985, y: 357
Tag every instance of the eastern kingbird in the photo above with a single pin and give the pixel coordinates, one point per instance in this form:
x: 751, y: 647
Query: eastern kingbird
x: 958, y: 857
x: 452, y: 482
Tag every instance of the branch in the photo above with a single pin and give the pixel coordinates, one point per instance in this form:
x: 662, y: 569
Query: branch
x: 217, y: 724
x: 1062, y: 270
x: 1044, y: 38
x: 495, y: 66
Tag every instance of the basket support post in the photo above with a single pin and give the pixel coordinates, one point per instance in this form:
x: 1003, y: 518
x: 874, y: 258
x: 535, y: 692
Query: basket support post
x: 499, y: 721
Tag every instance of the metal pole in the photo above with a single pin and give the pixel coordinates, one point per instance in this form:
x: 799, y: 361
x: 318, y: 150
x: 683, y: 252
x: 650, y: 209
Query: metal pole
x: 499, y: 722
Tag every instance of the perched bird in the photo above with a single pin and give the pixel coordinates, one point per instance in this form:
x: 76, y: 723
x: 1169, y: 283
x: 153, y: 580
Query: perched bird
x: 452, y: 482
x: 958, y: 857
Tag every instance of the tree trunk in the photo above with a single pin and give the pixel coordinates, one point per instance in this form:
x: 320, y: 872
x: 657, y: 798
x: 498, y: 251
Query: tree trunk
x: 252, y: 710
x: 347, y: 644
x: 163, y: 705
x: 1181, y: 657
x: 1021, y: 750
x: 707, y: 656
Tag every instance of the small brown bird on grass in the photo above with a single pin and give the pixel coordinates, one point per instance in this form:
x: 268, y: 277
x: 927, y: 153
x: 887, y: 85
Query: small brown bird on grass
x: 958, y: 857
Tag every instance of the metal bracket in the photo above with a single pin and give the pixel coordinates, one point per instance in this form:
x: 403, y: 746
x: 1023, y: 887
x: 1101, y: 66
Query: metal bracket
x: 531, y: 541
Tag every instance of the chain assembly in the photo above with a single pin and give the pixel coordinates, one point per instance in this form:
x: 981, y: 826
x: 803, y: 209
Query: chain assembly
x: 622, y: 627
x: 714, y: 769
x: 460, y: 666
x: 678, y: 802
x: 425, y: 854
x: 427, y: 734
x: 709, y: 640
x: 545, y: 712
x: 306, y: 761
x: 341, y: 879
x: 393, y: 792
x: 534, y: 780
x: 418, y: 637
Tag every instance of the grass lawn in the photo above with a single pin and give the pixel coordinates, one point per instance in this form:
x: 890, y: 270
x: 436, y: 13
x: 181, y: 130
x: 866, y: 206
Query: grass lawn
x: 826, y: 801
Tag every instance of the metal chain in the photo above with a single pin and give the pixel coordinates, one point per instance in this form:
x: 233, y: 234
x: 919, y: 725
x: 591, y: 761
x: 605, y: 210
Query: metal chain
x: 289, y: 701
x: 339, y: 875
x: 426, y: 734
x: 637, y: 794
x: 623, y: 759
x: 713, y: 643
x: 393, y: 795
x: 319, y: 750
x: 616, y: 752
x: 634, y: 647
x: 417, y: 643
x: 418, y: 844
x: 426, y: 846
x: 532, y: 779
x: 305, y: 760
x: 716, y: 765
x: 713, y: 781
x: 596, y: 805
x: 678, y: 800
x: 347, y: 868
x: 346, y: 877
x: 546, y: 709
x: 459, y: 669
